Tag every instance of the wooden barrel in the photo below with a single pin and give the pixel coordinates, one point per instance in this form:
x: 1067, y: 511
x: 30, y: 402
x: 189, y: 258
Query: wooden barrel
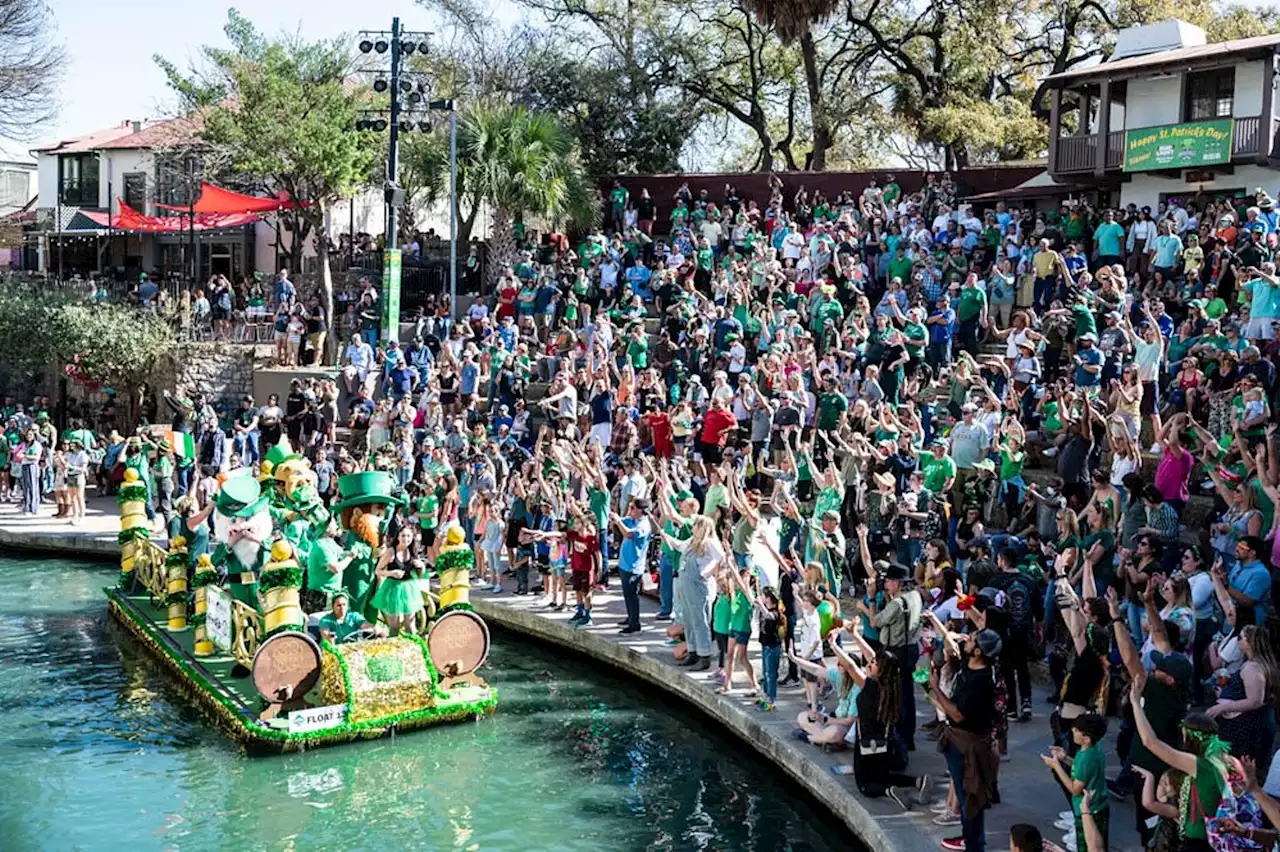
x: 282, y: 608
x: 458, y: 642
x: 286, y: 665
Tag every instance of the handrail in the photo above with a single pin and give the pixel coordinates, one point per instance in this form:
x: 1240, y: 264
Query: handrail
x: 246, y: 632
x: 149, y: 570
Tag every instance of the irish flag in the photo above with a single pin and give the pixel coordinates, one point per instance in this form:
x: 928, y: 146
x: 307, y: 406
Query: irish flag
x: 184, y: 445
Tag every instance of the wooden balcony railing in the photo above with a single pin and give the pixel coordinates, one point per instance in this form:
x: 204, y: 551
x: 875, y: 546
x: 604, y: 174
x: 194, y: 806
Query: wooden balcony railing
x: 1077, y: 154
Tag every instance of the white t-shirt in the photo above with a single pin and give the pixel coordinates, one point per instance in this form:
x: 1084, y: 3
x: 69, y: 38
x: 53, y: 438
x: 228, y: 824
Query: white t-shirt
x: 791, y: 245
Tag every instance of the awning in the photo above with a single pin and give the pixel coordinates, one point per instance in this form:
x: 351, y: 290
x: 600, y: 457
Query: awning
x: 215, y: 200
x: 129, y: 219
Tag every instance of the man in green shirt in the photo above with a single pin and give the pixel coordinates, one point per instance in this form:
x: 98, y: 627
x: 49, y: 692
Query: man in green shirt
x: 832, y: 407
x: 325, y: 565
x: 341, y: 622
x: 971, y: 313
x: 1088, y: 774
x: 618, y: 197
x: 900, y: 266
x: 939, y: 468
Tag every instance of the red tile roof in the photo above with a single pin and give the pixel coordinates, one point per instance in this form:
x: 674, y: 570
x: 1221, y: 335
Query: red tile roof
x: 152, y: 135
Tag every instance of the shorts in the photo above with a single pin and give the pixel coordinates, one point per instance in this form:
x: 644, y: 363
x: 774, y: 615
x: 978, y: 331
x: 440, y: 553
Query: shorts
x: 428, y: 536
x: 742, y: 637
x: 1150, y: 398
x: 711, y: 453
x: 808, y: 677
x: 580, y: 581
x: 513, y: 535
x: 75, y: 480
x: 557, y: 570
x: 1259, y: 328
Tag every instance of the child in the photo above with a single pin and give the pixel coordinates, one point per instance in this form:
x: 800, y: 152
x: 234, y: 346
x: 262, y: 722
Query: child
x: 1088, y: 772
x: 491, y: 543
x: 559, y: 563
x: 740, y: 611
x: 771, y: 628
x: 808, y: 644
x: 721, y: 611
x: 524, y: 559
x: 584, y: 564
x: 293, y: 338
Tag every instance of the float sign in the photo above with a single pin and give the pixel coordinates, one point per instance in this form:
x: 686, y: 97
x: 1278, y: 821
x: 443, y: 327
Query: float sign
x: 1178, y: 146
x: 217, y: 619
x: 316, y: 718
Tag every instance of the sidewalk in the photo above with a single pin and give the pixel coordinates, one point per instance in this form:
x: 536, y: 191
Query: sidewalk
x: 95, y: 536
x: 1029, y: 793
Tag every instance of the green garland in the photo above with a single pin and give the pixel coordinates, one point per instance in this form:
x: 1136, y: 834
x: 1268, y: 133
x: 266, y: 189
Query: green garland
x: 260, y: 734
x: 131, y: 493
x: 346, y: 677
x: 176, y: 560
x: 198, y: 619
x: 453, y: 559
x: 278, y: 577
x: 135, y: 534
x: 126, y: 579
x: 204, y: 578
x: 461, y: 606
x: 176, y: 597
x: 284, y: 628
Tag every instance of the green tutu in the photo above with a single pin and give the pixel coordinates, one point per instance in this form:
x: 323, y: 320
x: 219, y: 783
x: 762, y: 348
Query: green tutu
x: 398, y: 597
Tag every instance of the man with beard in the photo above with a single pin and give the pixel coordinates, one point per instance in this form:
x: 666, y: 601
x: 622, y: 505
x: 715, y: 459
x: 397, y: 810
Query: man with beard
x: 242, y: 530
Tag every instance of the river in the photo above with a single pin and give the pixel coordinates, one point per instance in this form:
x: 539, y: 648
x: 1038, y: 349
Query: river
x: 99, y: 750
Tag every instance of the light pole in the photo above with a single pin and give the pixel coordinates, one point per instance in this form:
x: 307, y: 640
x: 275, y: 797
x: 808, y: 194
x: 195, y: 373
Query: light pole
x: 398, y: 117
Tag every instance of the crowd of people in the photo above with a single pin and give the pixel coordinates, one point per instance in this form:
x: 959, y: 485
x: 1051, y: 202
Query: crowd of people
x: 904, y: 448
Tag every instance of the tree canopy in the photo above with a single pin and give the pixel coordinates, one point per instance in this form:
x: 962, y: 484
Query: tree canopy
x: 30, y: 68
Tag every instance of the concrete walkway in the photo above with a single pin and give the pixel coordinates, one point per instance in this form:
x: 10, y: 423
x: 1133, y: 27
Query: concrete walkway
x: 1028, y: 790
x: 1029, y: 793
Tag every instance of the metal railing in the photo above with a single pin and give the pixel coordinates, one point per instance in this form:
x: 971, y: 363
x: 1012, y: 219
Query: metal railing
x: 1080, y: 153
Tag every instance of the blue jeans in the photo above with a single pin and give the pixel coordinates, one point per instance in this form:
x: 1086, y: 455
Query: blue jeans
x: 666, y: 576
x: 631, y: 597
x: 370, y: 336
x: 770, y: 656
x: 246, y: 446
x: 974, y: 830
x: 907, y: 550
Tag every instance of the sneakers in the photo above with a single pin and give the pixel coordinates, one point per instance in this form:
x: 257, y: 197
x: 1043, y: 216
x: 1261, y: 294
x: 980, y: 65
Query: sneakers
x: 495, y: 589
x: 1069, y: 841
x: 689, y: 661
x: 895, y: 793
x: 955, y: 844
x: 1050, y: 452
x: 764, y: 705
x: 1026, y: 710
x: 923, y: 791
x: 946, y: 818
x: 702, y: 665
x: 661, y: 617
x: 1065, y: 825
x: 1155, y: 450
x: 585, y: 621
x: 1118, y: 790
x: 627, y: 631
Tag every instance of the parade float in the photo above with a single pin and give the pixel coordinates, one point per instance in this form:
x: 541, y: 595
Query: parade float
x: 230, y: 624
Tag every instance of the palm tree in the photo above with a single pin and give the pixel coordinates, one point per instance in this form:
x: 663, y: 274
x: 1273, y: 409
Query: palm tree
x: 793, y: 22
x: 517, y: 162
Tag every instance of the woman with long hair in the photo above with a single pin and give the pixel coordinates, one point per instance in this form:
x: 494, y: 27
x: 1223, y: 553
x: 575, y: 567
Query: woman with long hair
x: 1243, y: 709
x: 700, y: 557
x: 398, y: 596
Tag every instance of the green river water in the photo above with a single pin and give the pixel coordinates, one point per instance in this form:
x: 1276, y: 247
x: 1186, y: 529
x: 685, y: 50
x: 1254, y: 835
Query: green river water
x: 99, y: 750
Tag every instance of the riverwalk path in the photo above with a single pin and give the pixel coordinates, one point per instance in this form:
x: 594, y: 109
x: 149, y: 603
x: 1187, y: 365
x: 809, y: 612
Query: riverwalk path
x: 1029, y: 793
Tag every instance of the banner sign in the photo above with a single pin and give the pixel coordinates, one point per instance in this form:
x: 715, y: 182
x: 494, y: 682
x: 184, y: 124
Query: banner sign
x: 391, y: 294
x: 217, y: 622
x: 1178, y: 146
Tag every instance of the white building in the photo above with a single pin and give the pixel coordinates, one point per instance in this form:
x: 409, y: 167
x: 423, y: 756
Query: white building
x: 1168, y: 116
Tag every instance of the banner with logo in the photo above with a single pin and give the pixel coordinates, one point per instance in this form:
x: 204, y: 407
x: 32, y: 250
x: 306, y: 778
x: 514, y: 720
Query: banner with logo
x: 1178, y: 146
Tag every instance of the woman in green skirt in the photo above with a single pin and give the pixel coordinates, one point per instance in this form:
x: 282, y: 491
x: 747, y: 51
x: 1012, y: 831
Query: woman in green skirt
x: 399, y: 594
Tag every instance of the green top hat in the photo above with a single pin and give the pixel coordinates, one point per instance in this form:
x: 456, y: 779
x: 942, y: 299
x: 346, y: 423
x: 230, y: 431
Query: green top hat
x: 370, y: 486
x: 239, y: 497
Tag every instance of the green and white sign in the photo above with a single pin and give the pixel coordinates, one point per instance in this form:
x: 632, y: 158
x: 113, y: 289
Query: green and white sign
x: 391, y: 294
x: 1178, y: 146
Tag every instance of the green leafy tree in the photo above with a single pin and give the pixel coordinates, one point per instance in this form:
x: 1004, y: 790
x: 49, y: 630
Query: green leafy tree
x: 519, y: 163
x: 281, y: 113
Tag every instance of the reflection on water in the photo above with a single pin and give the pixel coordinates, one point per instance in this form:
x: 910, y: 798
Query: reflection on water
x: 99, y: 749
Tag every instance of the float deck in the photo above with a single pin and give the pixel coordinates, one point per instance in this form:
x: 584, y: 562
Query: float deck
x: 234, y: 704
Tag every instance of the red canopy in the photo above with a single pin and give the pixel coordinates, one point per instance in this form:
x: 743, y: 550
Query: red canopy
x: 129, y: 219
x: 215, y: 200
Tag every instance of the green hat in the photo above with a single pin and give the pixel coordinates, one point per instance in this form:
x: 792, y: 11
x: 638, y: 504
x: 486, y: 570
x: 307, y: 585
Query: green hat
x: 43, y: 415
x: 239, y: 497
x: 370, y: 486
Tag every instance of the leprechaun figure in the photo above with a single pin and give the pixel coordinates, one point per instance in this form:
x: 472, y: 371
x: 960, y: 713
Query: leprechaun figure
x: 366, y: 504
x: 242, y: 530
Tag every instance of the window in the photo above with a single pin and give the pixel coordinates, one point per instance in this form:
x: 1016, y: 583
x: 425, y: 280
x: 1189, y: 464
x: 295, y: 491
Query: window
x: 135, y: 191
x: 1210, y: 94
x: 78, y: 179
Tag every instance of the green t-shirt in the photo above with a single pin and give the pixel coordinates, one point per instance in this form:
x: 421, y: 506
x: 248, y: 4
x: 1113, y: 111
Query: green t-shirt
x: 1011, y: 462
x: 1216, y: 308
x: 1051, y: 420
x: 426, y: 506
x: 900, y: 268
x: 683, y: 533
x: 1209, y: 784
x: 740, y: 613
x: 830, y: 407
x: 937, y: 471
x: 1090, y: 766
x: 971, y: 303
x: 638, y: 352
x: 705, y: 259
x: 324, y: 552
x: 721, y: 614
x: 350, y: 623
x: 1085, y: 321
x: 917, y: 338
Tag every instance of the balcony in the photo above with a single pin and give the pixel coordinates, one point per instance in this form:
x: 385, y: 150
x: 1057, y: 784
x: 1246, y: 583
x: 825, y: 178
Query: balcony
x: 78, y: 193
x: 1078, y: 155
